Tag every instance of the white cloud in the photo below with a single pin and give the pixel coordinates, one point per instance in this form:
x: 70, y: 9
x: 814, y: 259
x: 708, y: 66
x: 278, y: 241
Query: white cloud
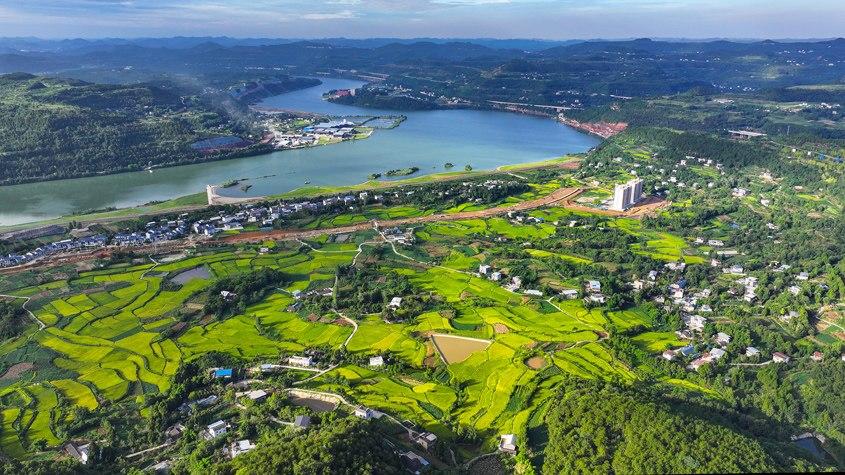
x: 341, y: 15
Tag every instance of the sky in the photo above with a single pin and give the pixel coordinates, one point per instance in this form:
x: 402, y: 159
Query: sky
x: 548, y: 19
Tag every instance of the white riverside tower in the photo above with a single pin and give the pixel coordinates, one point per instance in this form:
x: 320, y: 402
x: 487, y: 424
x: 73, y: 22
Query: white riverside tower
x: 626, y: 195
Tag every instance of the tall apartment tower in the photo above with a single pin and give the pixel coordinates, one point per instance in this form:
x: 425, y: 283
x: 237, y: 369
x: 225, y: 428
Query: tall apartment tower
x: 621, y: 197
x: 637, y: 190
x: 626, y: 194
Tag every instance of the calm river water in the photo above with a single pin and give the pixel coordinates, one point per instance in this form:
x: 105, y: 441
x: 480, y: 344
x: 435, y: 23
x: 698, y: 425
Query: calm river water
x: 427, y: 140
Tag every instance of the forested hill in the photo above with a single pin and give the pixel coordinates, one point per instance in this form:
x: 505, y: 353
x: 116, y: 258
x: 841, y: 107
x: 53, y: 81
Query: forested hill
x: 597, y: 427
x: 53, y: 128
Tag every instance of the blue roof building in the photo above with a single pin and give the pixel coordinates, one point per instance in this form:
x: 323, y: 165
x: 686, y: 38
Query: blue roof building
x: 223, y: 373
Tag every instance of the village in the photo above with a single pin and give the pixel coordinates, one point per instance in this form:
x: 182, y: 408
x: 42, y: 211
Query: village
x: 260, y: 217
x: 230, y: 392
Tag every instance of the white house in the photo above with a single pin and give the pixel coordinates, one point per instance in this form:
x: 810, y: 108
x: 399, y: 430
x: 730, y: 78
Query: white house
x: 508, y: 443
x: 594, y: 286
x: 240, y: 447
x: 377, y: 361
x: 779, y: 357
x: 569, y: 293
x: 717, y: 353
x: 395, y: 303
x: 496, y: 276
x: 668, y: 355
x: 304, y: 361
x: 257, y: 395
x: 751, y: 351
x: 215, y: 429
x: 364, y: 412
x: 695, y: 322
x: 483, y: 269
x: 723, y: 338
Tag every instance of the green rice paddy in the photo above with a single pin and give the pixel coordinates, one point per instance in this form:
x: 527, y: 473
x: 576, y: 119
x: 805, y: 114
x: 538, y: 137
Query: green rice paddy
x: 115, y: 334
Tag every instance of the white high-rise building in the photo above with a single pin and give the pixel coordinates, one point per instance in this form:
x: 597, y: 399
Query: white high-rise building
x: 637, y: 190
x: 626, y: 194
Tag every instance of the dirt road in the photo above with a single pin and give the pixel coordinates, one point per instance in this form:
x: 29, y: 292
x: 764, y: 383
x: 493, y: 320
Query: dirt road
x: 563, y: 197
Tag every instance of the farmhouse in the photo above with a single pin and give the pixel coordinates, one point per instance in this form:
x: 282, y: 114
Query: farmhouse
x: 817, y: 356
x: 303, y: 361
x: 395, y: 303
x: 751, y: 351
x: 363, y: 412
x: 240, y: 447
x: 593, y: 286
x: 79, y: 452
x: 508, y: 443
x: 569, y: 293
x: 215, y: 429
x: 376, y: 361
x: 668, y: 355
x: 257, y: 395
x: 779, y: 357
x: 222, y: 373
x: 426, y: 440
x: 723, y: 338
x: 413, y: 462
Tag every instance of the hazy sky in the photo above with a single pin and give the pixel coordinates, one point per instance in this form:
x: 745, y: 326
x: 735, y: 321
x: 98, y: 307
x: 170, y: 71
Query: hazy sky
x: 553, y: 19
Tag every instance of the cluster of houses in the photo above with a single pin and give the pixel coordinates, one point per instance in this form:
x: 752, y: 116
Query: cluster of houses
x: 262, y: 215
x: 59, y: 247
x: 154, y: 232
x: 341, y: 129
x: 522, y: 218
x: 399, y: 236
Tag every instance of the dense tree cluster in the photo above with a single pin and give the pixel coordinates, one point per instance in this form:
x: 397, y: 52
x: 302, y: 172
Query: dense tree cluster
x: 12, y: 320
x: 597, y: 427
x: 241, y: 291
x: 348, y: 446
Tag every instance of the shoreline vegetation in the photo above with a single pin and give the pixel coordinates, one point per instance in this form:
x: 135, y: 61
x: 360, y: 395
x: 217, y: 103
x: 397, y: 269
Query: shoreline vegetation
x: 200, y: 199
x: 402, y: 171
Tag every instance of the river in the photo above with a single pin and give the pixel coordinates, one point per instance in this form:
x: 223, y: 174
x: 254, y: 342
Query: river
x: 427, y: 139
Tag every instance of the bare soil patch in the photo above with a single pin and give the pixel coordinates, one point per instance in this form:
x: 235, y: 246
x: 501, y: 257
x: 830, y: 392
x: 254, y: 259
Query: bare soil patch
x: 536, y: 362
x: 454, y: 349
x: 16, y: 370
x: 501, y: 328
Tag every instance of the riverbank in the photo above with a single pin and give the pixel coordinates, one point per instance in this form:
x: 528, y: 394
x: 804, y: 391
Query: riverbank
x: 201, y: 200
x: 427, y: 140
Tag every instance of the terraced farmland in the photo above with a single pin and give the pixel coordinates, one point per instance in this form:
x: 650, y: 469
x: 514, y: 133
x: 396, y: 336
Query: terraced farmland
x: 117, y: 334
